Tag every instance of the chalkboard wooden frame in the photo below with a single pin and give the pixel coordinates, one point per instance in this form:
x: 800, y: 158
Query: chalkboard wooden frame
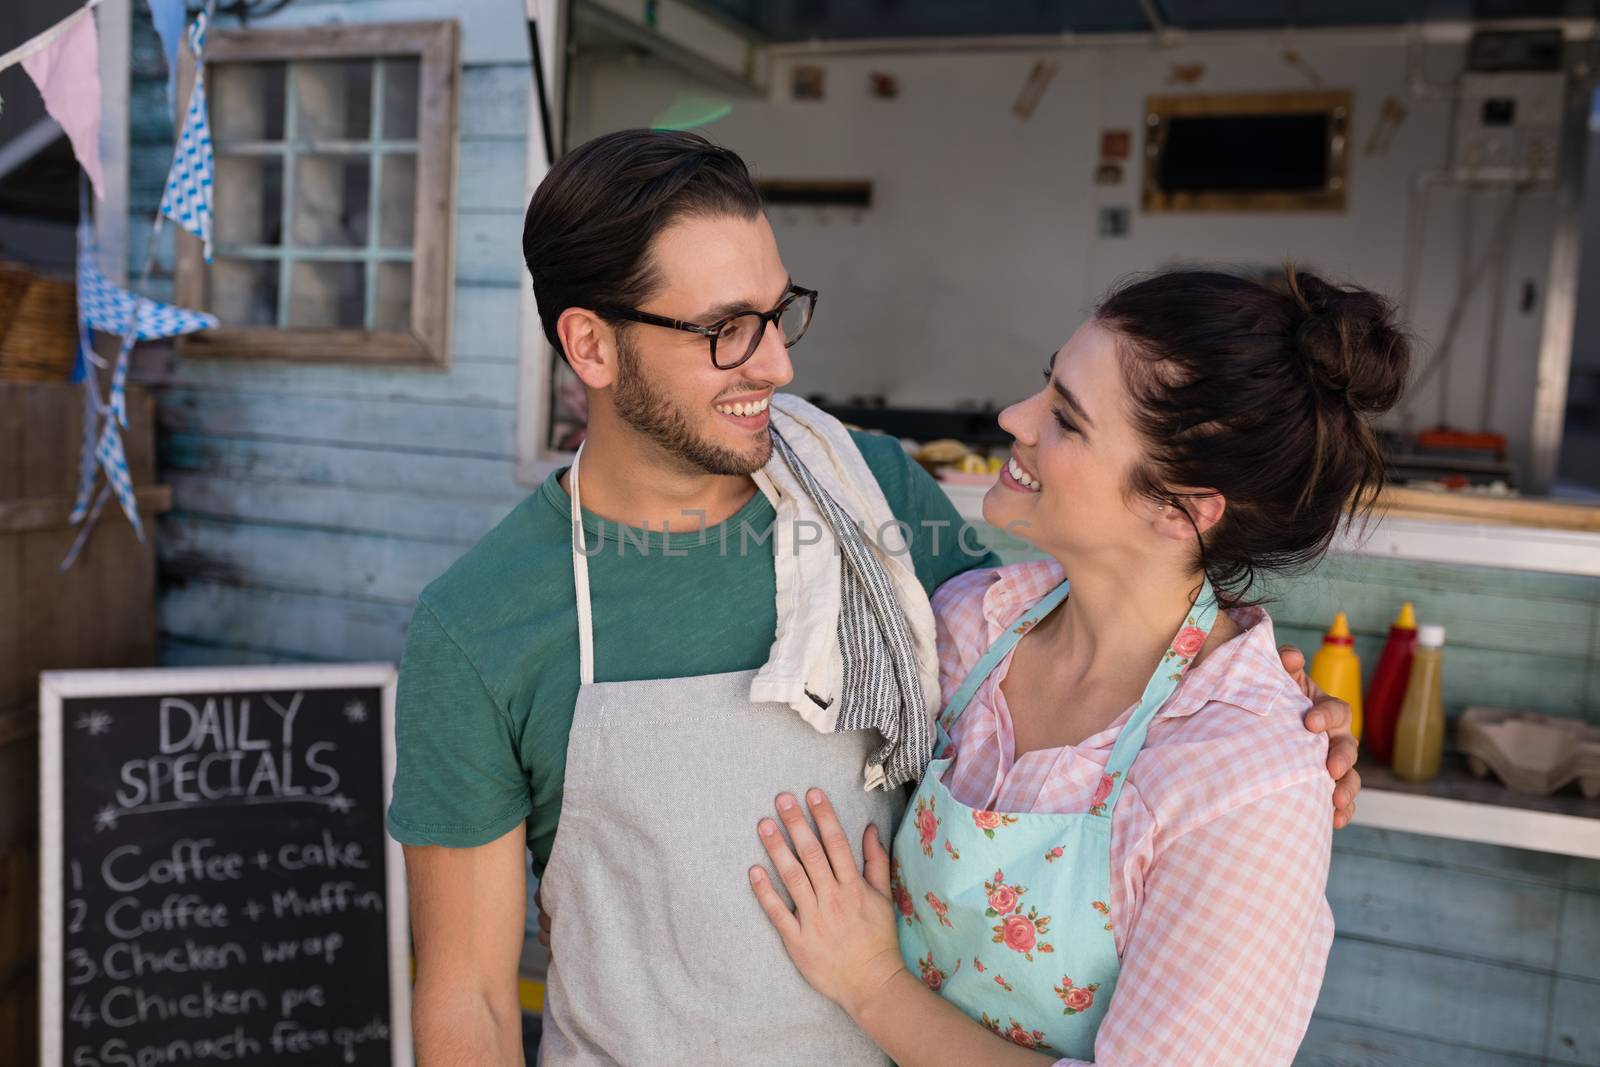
x: 57, y: 686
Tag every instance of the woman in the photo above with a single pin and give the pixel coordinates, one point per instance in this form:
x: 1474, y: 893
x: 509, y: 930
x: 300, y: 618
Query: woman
x: 1088, y: 826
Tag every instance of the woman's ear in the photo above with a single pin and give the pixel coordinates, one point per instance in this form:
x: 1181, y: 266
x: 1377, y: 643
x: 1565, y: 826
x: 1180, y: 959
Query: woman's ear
x: 590, y: 346
x: 1190, y: 510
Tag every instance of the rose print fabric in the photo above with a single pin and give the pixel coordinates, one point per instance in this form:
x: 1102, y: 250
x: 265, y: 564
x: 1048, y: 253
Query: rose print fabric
x: 1219, y: 846
x: 1024, y: 895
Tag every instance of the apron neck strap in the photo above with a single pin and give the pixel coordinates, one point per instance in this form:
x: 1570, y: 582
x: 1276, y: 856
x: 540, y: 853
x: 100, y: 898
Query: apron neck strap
x: 1191, y: 636
x: 991, y: 659
x: 580, y: 579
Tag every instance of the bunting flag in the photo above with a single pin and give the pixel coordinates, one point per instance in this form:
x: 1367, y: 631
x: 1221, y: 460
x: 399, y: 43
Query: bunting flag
x: 114, y: 461
x: 44, y: 40
x: 118, y: 407
x: 105, y: 306
x: 66, y: 68
x: 86, y: 461
x: 187, y: 198
x: 167, y: 16
x: 102, y: 450
x: 88, y: 467
x: 83, y: 534
x: 86, y: 356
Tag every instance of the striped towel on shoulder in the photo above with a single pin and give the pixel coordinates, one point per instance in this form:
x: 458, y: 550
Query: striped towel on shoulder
x: 882, y: 688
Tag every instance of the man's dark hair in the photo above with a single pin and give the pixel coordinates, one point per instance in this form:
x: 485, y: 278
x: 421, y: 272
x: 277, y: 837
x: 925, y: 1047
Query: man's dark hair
x: 587, y: 236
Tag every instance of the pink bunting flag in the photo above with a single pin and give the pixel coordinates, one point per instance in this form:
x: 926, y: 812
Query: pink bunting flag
x: 67, y: 72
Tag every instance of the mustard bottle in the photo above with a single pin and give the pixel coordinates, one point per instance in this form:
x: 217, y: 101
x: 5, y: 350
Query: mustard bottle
x: 1337, y: 670
x: 1419, y: 734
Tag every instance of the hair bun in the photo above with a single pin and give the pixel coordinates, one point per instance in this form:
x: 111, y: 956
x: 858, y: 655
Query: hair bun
x: 1350, y: 341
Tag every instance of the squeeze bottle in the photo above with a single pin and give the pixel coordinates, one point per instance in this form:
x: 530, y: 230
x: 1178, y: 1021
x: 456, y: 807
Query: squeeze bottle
x: 1388, y: 688
x: 1419, y: 735
x: 1337, y: 671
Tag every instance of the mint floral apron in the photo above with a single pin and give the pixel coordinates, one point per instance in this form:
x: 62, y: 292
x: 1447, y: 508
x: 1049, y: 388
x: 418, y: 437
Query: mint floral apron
x: 1008, y: 916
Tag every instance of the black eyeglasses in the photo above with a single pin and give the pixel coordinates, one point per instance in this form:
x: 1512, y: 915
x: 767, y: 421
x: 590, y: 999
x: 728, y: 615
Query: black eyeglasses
x: 740, y: 333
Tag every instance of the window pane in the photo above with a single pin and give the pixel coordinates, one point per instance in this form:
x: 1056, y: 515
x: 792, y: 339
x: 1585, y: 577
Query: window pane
x: 330, y: 201
x: 333, y: 100
x: 249, y: 200
x: 400, y: 78
x: 244, y: 292
x: 246, y: 101
x: 329, y: 295
x: 397, y: 191
x: 393, y: 309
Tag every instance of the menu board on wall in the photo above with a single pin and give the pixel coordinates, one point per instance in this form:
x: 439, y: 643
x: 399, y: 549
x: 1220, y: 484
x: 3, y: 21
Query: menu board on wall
x: 216, y: 881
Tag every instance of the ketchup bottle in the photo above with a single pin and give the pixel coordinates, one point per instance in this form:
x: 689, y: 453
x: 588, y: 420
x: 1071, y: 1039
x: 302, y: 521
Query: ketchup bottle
x: 1388, y: 688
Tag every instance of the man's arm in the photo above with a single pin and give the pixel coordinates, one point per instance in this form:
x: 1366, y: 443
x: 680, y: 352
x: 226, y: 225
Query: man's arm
x: 460, y: 807
x: 467, y: 913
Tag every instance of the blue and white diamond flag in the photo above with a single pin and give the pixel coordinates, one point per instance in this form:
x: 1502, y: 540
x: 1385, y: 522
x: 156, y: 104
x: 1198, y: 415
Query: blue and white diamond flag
x: 119, y: 380
x: 187, y: 198
x: 105, y: 306
x: 114, y: 461
x: 88, y: 466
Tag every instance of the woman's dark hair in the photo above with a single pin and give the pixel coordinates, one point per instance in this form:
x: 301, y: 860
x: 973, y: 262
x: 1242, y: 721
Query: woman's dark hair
x: 1261, y: 393
x: 586, y: 238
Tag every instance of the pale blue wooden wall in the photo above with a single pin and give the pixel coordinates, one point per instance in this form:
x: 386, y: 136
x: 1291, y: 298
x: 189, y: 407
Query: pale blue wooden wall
x: 1451, y: 954
x: 1447, y: 953
x: 312, y: 503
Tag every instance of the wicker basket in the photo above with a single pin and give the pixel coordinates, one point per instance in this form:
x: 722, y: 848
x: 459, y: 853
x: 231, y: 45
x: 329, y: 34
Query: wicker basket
x: 38, y: 326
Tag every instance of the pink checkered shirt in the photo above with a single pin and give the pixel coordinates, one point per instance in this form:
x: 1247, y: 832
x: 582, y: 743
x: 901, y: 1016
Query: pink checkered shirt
x: 1219, y: 845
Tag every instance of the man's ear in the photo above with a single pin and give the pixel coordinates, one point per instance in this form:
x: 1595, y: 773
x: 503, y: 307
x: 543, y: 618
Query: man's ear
x: 1201, y: 509
x: 590, y: 345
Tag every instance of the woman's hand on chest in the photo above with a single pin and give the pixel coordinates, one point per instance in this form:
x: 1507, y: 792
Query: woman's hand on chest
x: 841, y: 931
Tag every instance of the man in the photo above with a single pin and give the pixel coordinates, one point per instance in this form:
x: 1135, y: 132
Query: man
x: 590, y: 661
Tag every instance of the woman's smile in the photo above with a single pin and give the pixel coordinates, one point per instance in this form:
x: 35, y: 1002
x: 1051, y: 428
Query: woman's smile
x: 1018, y: 478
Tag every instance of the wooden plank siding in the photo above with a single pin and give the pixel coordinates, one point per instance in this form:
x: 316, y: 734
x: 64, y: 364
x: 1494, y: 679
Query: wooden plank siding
x: 1452, y: 953
x: 312, y: 503
x: 439, y: 477
x: 1516, y: 639
x: 1449, y: 953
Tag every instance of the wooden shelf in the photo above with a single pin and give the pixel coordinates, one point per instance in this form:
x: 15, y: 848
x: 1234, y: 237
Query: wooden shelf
x: 1518, y: 548
x: 1493, y: 510
x: 1459, y: 806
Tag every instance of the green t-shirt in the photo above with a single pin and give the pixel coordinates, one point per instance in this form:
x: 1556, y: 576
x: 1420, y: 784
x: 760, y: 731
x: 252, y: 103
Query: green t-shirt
x: 490, y: 673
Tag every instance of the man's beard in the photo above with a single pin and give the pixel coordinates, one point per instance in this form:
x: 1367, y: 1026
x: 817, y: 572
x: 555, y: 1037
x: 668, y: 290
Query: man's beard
x: 652, y: 414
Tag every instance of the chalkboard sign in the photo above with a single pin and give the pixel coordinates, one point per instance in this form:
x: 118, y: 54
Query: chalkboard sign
x: 216, y: 881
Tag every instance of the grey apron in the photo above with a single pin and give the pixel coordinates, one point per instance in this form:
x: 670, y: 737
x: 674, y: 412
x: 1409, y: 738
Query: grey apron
x: 659, y: 952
